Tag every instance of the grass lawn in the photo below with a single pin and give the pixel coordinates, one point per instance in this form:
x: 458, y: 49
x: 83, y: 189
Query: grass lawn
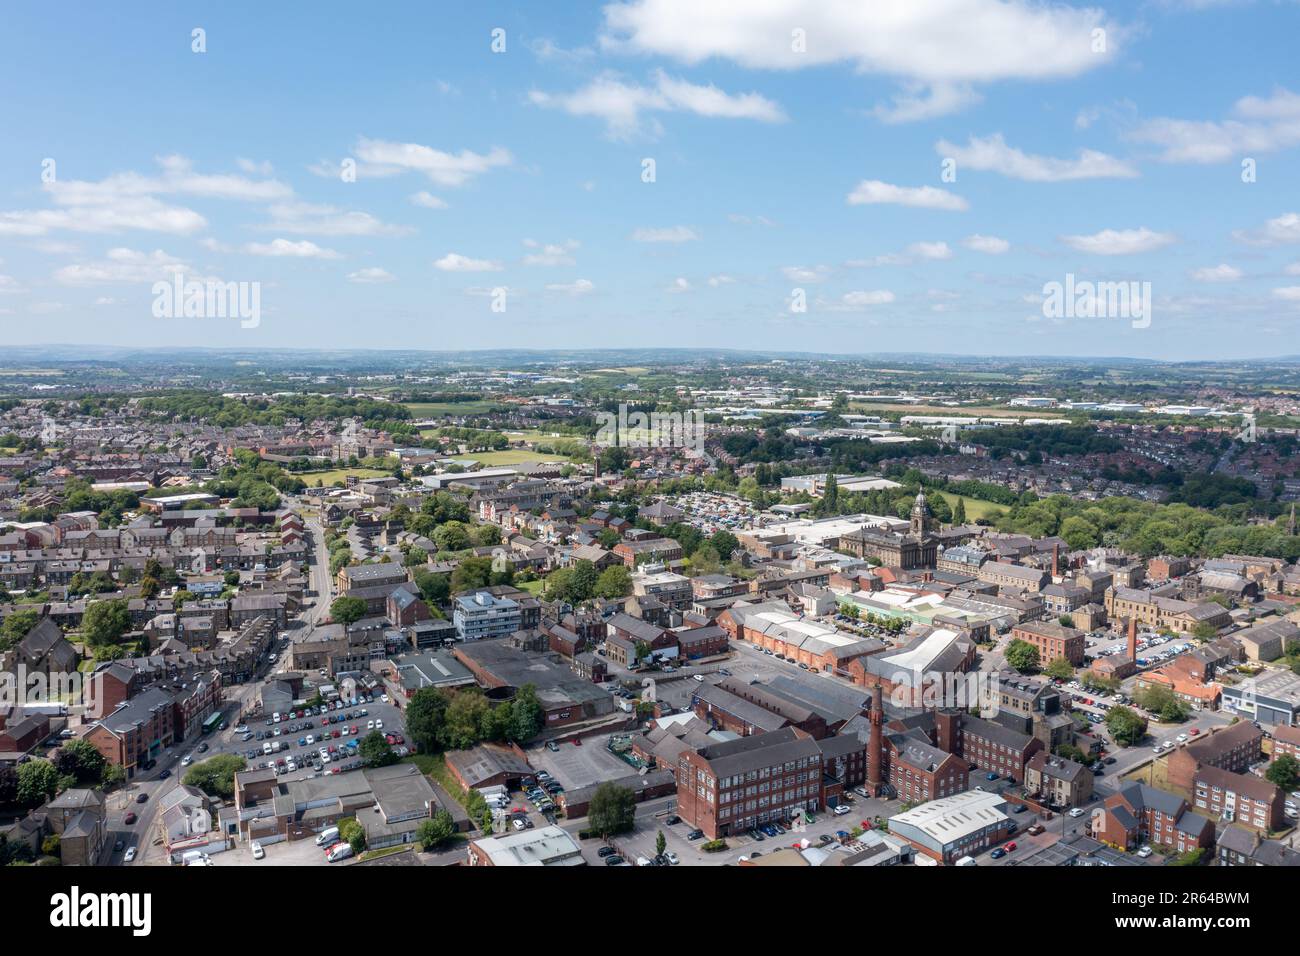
x: 532, y: 587
x: 449, y: 409
x: 327, y: 478
x: 512, y: 456
x: 975, y: 508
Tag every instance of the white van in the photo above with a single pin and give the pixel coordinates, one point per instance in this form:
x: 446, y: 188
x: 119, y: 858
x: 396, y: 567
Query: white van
x: 340, y: 852
x: 966, y: 861
x: 327, y: 836
x: 267, y: 749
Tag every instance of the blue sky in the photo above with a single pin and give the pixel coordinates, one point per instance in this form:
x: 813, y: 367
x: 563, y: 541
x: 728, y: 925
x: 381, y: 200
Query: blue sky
x: 798, y: 152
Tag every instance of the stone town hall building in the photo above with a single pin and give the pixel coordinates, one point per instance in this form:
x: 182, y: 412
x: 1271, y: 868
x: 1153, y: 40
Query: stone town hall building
x: 915, y: 549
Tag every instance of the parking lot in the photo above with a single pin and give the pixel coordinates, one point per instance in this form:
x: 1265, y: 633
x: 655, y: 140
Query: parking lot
x: 285, y: 853
x: 293, y: 742
x: 1152, y: 647
x: 579, y: 766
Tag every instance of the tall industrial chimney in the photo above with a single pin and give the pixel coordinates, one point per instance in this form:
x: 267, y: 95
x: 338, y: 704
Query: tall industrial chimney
x: 876, y: 749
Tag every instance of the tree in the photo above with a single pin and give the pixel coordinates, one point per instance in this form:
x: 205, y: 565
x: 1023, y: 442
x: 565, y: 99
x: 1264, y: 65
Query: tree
x: 375, y: 750
x: 436, y: 831
x: 1162, y: 702
x: 526, y: 715
x: 1022, y: 655
x: 465, y: 719
x: 105, y: 622
x: 472, y: 574
x: 1284, y: 772
x: 1060, y: 668
x: 725, y: 543
x: 661, y: 843
x: 434, y: 588
x: 216, y: 775
x: 1126, y: 725
x: 80, y: 759
x: 612, y: 809
x: 614, y: 582
x: 38, y: 781
x: 16, y: 626
x: 426, y: 717
x: 1205, y: 631
x: 959, y: 512
x: 348, y: 610
x: 352, y: 833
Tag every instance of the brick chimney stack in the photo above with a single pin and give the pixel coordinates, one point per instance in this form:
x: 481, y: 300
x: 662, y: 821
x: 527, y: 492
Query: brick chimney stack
x: 1133, y: 639
x: 876, y: 748
x: 1056, y: 561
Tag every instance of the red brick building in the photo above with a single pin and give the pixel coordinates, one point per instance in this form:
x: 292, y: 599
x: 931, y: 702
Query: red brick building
x: 1240, y: 798
x: 1052, y: 641
x: 1232, y: 749
x: 1139, y: 815
x: 730, y: 787
x: 918, y: 771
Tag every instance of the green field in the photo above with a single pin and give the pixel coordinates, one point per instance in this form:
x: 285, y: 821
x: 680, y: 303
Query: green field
x: 512, y: 456
x: 975, y: 508
x: 448, y: 409
x: 327, y: 478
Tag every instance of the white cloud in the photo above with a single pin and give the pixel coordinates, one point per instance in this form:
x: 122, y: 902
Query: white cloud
x: 679, y: 285
x: 1281, y: 230
x: 254, y: 167
x: 873, y: 191
x: 455, y: 262
x: 379, y: 157
x: 1220, y: 273
x: 620, y: 104
x: 428, y: 200
x: 990, y: 245
x: 323, y: 220
x: 551, y: 254
x: 287, y: 248
x: 1260, y: 125
x: 666, y: 234
x: 1290, y: 293
x: 805, y: 274
x: 1293, y: 269
x: 371, y: 276
x: 142, y: 213
x: 10, y: 286
x: 930, y: 250
x: 720, y: 280
x: 1120, y: 242
x: 992, y: 154
x: 921, y: 101
x: 863, y: 299
x: 122, y: 265
x: 743, y: 220
x: 576, y: 287
x: 942, y: 47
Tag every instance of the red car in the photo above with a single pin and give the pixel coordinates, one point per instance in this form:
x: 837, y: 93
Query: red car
x: 577, y: 742
x: 354, y: 730
x: 1009, y: 846
x: 1194, y: 731
x: 129, y: 819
